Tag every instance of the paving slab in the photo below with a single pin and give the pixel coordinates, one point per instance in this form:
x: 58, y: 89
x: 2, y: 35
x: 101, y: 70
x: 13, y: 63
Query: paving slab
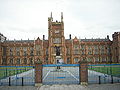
x: 65, y: 87
x: 79, y: 87
x: 18, y: 88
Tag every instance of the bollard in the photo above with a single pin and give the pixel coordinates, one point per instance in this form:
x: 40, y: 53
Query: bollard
x: 9, y: 81
x: 111, y: 79
x: 22, y: 81
x: 99, y: 80
x: 6, y: 72
x: 58, y: 67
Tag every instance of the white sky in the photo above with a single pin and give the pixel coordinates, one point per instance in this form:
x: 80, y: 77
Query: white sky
x: 23, y: 19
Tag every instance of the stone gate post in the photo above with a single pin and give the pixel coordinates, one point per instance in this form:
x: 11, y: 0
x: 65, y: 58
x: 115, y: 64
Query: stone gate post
x: 38, y: 74
x: 83, y: 72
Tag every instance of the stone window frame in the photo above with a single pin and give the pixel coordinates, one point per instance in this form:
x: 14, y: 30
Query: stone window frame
x: 89, y: 59
x: 31, y: 61
x: 76, y: 46
x: 90, y: 50
x: 76, y: 59
x: 25, y: 60
x: 82, y: 52
x: 68, y: 60
x: 24, y: 51
x: 82, y: 47
x: 38, y: 49
x: 96, y: 49
x: 76, y: 51
x: 57, y: 40
x: 11, y: 60
x: 31, y: 51
x: 4, y: 61
x: 17, y: 51
x: 96, y: 59
x: 68, y: 51
x: 102, y: 49
x: 18, y: 61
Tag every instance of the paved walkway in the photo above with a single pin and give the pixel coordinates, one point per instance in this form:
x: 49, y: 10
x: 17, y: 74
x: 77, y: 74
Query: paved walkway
x: 65, y: 87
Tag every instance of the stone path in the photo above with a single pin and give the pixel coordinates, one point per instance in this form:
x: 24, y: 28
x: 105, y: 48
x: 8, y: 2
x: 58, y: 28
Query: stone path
x: 62, y: 87
x: 65, y: 87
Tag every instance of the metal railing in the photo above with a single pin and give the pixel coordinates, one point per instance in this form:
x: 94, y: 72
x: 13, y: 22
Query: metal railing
x: 104, y: 73
x: 17, y: 75
x: 60, y: 74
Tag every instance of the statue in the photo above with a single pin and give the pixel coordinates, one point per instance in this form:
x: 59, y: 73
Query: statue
x: 57, y: 51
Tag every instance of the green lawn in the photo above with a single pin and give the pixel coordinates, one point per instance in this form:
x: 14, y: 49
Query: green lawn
x: 9, y: 71
x: 110, y: 70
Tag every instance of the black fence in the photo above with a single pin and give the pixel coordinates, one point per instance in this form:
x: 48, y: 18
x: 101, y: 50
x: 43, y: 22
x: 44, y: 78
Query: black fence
x: 17, y: 75
x: 59, y: 74
x: 104, y: 73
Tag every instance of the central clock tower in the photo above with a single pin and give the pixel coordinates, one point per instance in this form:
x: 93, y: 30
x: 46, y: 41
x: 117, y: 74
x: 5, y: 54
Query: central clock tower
x: 56, y: 41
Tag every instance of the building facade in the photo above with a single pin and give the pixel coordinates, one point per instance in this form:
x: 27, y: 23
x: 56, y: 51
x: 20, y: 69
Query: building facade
x: 57, y: 49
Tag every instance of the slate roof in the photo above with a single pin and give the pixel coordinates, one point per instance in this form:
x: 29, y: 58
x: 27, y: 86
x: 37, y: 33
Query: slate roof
x: 19, y: 41
x: 94, y: 40
x: 84, y: 40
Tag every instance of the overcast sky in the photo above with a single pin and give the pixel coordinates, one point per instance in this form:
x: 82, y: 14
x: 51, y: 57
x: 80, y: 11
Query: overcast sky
x: 23, y: 19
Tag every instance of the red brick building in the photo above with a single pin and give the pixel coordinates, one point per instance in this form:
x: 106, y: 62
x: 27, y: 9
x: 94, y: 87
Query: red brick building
x: 57, y: 49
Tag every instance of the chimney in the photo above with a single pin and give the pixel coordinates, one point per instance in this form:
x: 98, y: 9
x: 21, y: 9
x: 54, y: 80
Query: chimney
x: 70, y: 36
x: 107, y: 36
x: 43, y: 37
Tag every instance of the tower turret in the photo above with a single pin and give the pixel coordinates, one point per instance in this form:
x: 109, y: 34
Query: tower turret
x: 51, y: 17
x: 56, y: 40
x: 61, y: 16
x: 116, y: 47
